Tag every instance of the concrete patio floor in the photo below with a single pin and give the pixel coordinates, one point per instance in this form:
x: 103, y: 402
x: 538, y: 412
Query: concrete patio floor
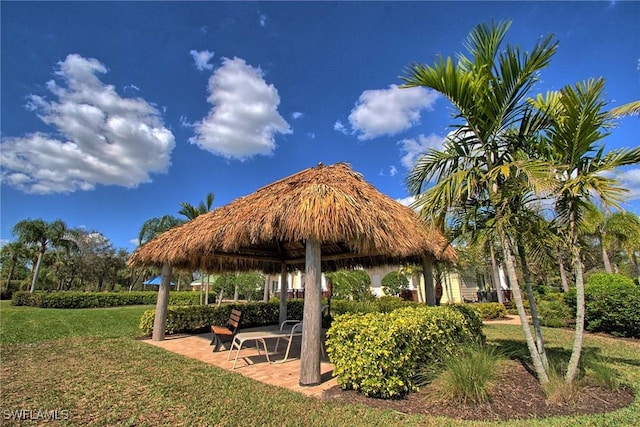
x: 255, y: 366
x: 250, y: 363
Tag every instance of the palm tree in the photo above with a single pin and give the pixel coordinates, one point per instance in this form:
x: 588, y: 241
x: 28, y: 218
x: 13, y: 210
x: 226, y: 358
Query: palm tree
x: 190, y: 212
x: 42, y: 235
x: 15, y: 251
x: 484, y: 161
x: 153, y: 227
x: 579, y: 124
x: 624, y: 229
x: 630, y: 109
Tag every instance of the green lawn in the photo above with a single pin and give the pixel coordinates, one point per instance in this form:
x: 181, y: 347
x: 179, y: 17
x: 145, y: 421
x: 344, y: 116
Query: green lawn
x: 88, y: 362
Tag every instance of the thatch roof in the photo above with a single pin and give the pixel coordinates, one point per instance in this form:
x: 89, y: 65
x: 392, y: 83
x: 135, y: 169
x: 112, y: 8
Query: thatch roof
x: 355, y: 223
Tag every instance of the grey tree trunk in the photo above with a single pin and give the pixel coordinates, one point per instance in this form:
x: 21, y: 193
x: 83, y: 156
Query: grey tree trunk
x: 563, y: 273
x: 576, y: 351
x: 427, y: 271
x: 36, y: 272
x: 201, y: 287
x: 162, y: 303
x: 265, y: 295
x: 495, y: 274
x: 11, y: 270
x: 283, y: 292
x: 605, y: 255
x: 510, y: 263
x: 532, y: 307
x: 312, y: 318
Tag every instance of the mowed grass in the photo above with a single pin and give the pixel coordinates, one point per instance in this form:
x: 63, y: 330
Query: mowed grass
x: 103, y: 379
x: 31, y: 325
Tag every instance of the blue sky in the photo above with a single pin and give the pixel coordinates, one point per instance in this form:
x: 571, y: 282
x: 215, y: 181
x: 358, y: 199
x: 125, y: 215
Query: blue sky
x: 115, y: 112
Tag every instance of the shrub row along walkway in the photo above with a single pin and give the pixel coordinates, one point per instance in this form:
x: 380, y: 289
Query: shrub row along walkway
x: 250, y: 364
x: 256, y: 367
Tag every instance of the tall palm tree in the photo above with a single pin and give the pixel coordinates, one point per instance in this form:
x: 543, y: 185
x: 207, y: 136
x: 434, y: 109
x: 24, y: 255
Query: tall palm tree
x: 42, y: 235
x: 624, y: 229
x: 483, y: 161
x: 15, y: 251
x: 579, y: 124
x: 190, y: 212
x: 153, y: 227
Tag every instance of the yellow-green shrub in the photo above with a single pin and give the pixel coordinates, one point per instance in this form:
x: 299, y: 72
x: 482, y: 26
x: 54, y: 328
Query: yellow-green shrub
x: 378, y: 353
x: 489, y: 310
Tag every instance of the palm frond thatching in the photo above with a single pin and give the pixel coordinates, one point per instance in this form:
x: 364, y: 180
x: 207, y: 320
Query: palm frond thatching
x: 355, y: 223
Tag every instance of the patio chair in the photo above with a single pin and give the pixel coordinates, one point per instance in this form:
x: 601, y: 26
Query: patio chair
x: 224, y: 334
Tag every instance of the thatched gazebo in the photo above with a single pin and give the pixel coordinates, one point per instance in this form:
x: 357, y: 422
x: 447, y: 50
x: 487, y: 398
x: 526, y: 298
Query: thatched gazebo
x: 320, y: 219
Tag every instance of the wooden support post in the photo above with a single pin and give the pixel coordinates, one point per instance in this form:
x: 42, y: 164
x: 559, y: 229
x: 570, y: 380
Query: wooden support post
x: 311, y: 328
x: 283, y: 292
x: 162, y: 303
x: 427, y: 270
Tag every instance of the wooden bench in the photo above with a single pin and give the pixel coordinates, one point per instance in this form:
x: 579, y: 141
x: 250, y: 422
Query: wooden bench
x: 223, y: 334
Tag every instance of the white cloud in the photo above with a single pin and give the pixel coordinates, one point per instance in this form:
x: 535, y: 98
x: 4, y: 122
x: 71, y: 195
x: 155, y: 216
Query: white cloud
x: 263, y: 19
x: 311, y: 135
x: 630, y: 179
x: 389, y: 111
x: 414, y: 148
x: 407, y: 201
x: 100, y: 137
x: 393, y: 170
x: 296, y: 115
x: 244, y: 119
x: 201, y: 59
x: 131, y: 87
x: 340, y: 127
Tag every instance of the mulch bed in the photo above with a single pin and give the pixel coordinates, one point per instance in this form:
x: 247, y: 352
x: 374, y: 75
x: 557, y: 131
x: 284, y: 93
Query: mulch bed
x: 517, y: 395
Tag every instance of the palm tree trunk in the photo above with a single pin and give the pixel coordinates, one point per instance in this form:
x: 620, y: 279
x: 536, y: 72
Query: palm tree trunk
x: 563, y: 273
x: 14, y: 261
x: 495, y: 274
x: 605, y: 256
x: 634, y: 258
x: 574, y: 361
x: 538, y: 366
x: 36, y: 271
x: 532, y: 306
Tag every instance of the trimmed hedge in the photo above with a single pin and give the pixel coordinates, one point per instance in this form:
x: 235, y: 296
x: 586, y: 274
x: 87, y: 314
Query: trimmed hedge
x: 612, y: 304
x: 377, y: 354
x: 101, y: 299
x: 195, y: 319
x: 489, y: 310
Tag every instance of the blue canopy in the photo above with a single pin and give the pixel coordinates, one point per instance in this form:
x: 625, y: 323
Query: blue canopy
x: 155, y: 281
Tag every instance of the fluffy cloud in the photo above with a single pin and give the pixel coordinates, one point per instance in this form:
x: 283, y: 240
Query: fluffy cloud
x: 202, y: 59
x: 296, y: 115
x: 100, y: 137
x: 339, y: 126
x: 630, y: 179
x: 389, y: 111
x: 412, y: 149
x: 244, y: 119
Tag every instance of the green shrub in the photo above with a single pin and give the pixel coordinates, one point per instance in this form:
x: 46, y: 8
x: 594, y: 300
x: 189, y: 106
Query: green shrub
x: 377, y: 353
x: 553, y: 313
x: 198, y: 318
x: 612, y: 304
x: 489, y: 310
x: 66, y: 299
x: 393, y: 283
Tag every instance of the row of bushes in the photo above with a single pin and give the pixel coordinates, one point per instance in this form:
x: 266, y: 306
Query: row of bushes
x: 377, y: 353
x: 612, y: 305
x: 101, y: 299
x: 195, y: 319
